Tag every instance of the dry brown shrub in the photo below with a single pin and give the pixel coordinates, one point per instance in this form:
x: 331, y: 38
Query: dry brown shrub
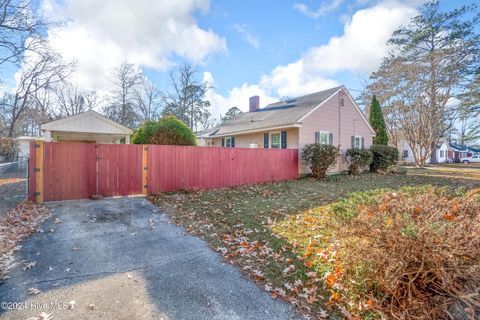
x: 416, y: 255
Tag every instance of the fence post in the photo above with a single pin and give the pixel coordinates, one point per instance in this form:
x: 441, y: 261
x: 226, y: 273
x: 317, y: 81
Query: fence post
x: 38, y: 171
x: 144, y: 169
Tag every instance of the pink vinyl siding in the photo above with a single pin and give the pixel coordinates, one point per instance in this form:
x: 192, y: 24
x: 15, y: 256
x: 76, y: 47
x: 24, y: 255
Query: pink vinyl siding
x: 244, y: 140
x: 343, y: 121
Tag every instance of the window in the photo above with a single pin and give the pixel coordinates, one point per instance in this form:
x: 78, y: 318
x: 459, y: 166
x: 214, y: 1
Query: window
x: 442, y: 154
x: 229, y: 142
x: 322, y: 137
x: 357, y: 142
x: 405, y: 153
x: 275, y: 140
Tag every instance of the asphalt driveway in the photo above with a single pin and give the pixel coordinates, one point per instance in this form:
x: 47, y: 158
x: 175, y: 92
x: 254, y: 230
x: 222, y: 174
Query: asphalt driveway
x: 122, y: 259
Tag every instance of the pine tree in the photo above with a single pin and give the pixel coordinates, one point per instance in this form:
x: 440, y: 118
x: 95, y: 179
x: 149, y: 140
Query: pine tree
x: 378, y: 123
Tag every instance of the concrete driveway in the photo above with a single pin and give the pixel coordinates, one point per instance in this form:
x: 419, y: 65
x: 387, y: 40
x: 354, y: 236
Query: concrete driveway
x: 122, y: 259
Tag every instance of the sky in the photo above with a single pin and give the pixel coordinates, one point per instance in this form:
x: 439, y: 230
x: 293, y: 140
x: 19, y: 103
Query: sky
x: 270, y: 48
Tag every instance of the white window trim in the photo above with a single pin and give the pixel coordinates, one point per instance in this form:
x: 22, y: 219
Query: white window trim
x: 320, y: 135
x: 359, y: 142
x: 279, y: 141
x: 225, y: 142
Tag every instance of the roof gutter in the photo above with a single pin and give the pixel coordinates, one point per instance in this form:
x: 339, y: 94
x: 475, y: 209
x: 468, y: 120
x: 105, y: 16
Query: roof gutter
x: 236, y: 133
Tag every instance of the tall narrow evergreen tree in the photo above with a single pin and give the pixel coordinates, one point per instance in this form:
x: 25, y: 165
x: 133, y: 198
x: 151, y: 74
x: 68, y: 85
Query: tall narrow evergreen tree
x: 375, y: 118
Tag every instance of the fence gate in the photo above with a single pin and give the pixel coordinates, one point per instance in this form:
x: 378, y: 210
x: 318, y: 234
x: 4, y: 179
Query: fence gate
x: 67, y: 170
x: 71, y: 170
x: 119, y: 168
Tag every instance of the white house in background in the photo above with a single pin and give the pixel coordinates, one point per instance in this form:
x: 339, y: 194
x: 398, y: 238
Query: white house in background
x: 88, y: 126
x: 443, y: 152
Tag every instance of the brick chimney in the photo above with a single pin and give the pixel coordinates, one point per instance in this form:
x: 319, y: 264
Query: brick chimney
x: 254, y: 103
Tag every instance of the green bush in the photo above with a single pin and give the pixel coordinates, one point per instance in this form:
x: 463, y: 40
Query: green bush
x: 169, y: 130
x: 173, y: 131
x: 319, y: 158
x: 383, y: 158
x: 145, y: 132
x: 358, y: 159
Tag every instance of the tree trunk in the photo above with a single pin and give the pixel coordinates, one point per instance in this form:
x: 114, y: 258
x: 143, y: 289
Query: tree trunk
x: 10, y: 130
x: 433, y: 153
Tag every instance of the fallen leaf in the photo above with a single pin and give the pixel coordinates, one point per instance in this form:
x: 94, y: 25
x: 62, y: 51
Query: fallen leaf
x: 449, y: 217
x: 33, y: 291
x: 46, y: 316
x: 323, y: 314
x: 28, y: 265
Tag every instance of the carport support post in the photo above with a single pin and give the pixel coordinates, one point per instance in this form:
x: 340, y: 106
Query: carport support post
x: 38, y: 171
x: 144, y: 169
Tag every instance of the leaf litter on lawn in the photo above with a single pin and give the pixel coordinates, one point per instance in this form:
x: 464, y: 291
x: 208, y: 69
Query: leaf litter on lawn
x: 16, y: 225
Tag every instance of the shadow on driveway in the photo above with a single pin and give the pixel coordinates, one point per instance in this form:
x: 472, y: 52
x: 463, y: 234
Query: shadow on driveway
x: 122, y: 259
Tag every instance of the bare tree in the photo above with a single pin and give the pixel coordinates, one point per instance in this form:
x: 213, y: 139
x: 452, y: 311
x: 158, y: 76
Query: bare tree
x: 148, y: 100
x: 187, y: 99
x: 20, y: 29
x: 122, y: 105
x: 39, y: 72
x: 70, y: 99
x: 205, y: 119
x: 433, y: 59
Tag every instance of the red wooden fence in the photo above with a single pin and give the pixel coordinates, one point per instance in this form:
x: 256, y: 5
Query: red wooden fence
x: 185, y: 168
x: 62, y: 170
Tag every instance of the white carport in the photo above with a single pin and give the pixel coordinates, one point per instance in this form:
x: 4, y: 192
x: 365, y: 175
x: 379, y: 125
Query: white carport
x: 88, y: 126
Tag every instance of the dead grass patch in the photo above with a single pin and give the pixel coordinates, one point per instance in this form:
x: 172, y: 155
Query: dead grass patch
x: 279, y: 235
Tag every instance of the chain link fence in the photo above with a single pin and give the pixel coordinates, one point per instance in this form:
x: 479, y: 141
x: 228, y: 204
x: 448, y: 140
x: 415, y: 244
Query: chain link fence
x: 13, y: 184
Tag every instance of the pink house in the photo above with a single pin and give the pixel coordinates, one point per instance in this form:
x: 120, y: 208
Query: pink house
x: 330, y: 116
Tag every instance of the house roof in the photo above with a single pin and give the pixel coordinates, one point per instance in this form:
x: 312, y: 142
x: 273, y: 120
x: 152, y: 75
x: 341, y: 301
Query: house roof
x: 457, y: 147
x: 473, y: 149
x: 88, y: 121
x: 281, y: 114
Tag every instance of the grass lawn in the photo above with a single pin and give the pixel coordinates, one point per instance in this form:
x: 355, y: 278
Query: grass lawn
x: 259, y: 228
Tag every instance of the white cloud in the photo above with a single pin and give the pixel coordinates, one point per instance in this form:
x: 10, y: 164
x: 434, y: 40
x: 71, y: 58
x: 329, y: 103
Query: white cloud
x: 237, y: 97
x: 325, y: 8
x: 247, y: 36
x: 102, y: 34
x: 294, y: 79
x: 363, y: 43
x: 359, y: 49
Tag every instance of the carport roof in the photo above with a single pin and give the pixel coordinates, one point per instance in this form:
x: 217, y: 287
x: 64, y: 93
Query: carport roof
x: 87, y: 122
